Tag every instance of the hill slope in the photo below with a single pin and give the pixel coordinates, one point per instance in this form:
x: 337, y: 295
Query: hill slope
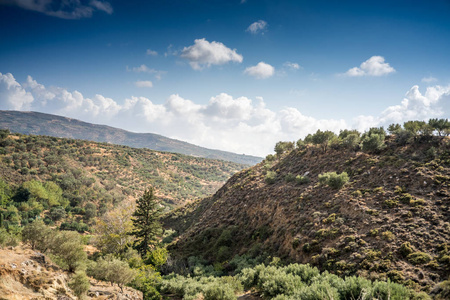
x: 28, y: 275
x: 57, y: 126
x: 391, y: 220
x: 104, y: 173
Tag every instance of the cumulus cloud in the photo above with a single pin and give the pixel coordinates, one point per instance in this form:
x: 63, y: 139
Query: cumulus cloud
x: 414, y: 106
x: 260, y: 71
x: 144, y: 84
x: 204, y: 53
x: 257, y: 27
x: 68, y: 9
x: 13, y: 95
x: 240, y: 125
x: 374, y: 66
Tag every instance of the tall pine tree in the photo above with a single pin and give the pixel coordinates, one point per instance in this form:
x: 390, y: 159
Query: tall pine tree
x: 147, y: 228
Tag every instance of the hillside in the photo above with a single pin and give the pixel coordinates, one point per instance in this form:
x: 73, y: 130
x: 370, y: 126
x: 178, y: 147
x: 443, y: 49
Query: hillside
x: 45, y: 124
x: 75, y: 181
x: 27, y: 274
x: 391, y: 220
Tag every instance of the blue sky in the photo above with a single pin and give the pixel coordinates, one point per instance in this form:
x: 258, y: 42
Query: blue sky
x: 231, y: 74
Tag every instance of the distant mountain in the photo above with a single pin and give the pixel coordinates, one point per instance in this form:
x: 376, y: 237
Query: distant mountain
x: 52, y: 125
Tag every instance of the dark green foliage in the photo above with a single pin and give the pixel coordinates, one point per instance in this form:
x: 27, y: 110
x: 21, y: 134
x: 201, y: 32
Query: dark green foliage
x: 283, y: 147
x: 406, y: 249
x: 373, y: 140
x: 302, y: 179
x: 90, y: 211
x: 334, y: 180
x: 270, y: 177
x: 113, y: 270
x: 147, y: 228
x: 322, y: 138
x: 394, y: 128
x: 442, y: 126
x: 441, y: 291
x: 38, y: 235
x: 80, y: 284
x: 74, y: 226
x: 418, y: 258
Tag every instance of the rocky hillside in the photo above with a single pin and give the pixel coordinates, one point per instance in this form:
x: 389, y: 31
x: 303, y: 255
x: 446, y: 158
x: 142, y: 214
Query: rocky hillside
x: 390, y: 220
x: 26, y: 274
x: 45, y: 124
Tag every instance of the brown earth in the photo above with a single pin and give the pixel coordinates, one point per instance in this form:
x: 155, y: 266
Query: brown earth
x: 29, y: 275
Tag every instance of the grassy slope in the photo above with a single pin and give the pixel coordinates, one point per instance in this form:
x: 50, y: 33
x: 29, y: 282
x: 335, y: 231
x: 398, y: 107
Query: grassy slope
x: 359, y: 229
x: 103, y: 172
x: 51, y: 125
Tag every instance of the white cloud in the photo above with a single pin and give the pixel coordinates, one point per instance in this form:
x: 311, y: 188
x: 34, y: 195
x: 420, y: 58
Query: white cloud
x: 260, y: 71
x: 67, y: 9
x: 292, y: 66
x: 151, y: 52
x: 257, y: 27
x: 374, y: 66
x: 12, y: 94
x: 429, y: 79
x: 415, y: 106
x: 240, y: 125
x: 144, y: 84
x: 204, y: 53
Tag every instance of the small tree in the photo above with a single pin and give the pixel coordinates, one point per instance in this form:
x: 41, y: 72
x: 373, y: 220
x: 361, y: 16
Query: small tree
x: 38, y: 235
x: 440, y: 125
x: 322, y: 138
x: 80, y: 284
x: 282, y: 147
x: 394, y: 128
x: 145, y: 220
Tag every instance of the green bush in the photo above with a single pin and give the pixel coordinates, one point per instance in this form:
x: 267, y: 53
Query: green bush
x: 289, y: 177
x: 271, y: 177
x: 218, y: 291
x: 300, y: 179
x: 80, y: 284
x: 334, y: 180
x: 373, y: 143
x: 419, y: 258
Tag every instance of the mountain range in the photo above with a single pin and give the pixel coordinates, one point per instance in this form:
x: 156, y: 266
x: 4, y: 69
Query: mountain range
x: 46, y: 124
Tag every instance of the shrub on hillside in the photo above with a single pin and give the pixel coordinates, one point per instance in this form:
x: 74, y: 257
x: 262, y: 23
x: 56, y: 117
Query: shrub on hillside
x: 80, y: 284
x: 300, y: 179
x: 373, y: 143
x: 271, y: 177
x: 334, y: 180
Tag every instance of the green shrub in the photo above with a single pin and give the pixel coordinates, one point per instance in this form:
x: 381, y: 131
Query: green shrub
x: 387, y: 290
x: 271, y: 177
x: 80, y: 284
x: 419, y: 258
x: 305, y: 272
x: 318, y: 291
x: 289, y: 177
x: 300, y: 179
x: 373, y: 142
x: 354, y: 287
x: 218, y: 291
x: 334, y: 180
